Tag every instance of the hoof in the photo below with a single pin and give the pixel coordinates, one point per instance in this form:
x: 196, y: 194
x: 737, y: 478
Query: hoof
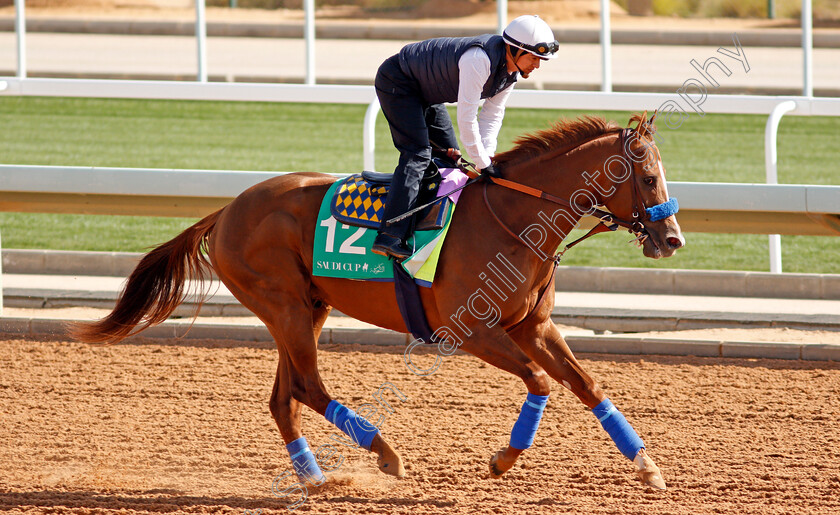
x: 647, y: 471
x: 389, y: 461
x: 495, y: 471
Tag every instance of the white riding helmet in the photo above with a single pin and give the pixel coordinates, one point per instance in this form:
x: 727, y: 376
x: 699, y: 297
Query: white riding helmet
x: 533, y: 35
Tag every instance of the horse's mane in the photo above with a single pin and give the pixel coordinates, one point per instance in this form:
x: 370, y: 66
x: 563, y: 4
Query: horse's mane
x: 564, y: 133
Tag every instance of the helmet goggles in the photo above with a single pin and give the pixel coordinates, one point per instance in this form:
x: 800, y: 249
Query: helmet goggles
x: 540, y: 49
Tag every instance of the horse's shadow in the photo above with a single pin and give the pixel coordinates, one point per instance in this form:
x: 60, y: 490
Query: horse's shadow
x: 169, y: 501
x: 389, y: 501
x: 154, y: 500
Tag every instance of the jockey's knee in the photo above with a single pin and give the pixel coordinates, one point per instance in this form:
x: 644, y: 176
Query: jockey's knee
x: 420, y: 159
x: 413, y: 165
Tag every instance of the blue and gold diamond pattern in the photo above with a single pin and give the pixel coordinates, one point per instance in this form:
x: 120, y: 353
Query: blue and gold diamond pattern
x: 353, y: 204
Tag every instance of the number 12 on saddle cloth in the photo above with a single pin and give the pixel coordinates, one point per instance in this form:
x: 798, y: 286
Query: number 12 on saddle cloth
x: 341, y: 250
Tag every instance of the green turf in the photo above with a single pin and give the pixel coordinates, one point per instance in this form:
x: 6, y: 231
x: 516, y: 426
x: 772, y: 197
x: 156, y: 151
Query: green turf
x: 84, y: 232
x: 328, y: 138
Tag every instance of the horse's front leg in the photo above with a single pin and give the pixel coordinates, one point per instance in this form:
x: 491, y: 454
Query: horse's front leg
x: 543, y: 343
x: 503, y: 353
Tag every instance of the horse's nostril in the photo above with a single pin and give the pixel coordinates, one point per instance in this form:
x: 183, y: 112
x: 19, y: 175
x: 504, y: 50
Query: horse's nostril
x: 674, y: 242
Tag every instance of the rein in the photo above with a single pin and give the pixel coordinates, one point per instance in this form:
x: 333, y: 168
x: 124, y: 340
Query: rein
x: 605, y: 217
x: 608, y: 221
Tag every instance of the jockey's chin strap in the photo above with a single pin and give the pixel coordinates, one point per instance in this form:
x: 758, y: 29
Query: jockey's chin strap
x: 607, y: 221
x: 513, y: 59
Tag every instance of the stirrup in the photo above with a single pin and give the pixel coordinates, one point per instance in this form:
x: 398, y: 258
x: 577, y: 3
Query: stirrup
x: 390, y: 246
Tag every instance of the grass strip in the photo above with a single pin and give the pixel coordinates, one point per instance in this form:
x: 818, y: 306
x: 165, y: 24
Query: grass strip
x: 328, y: 138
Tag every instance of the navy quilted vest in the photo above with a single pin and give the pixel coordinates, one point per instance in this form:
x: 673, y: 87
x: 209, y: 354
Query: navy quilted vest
x: 434, y: 65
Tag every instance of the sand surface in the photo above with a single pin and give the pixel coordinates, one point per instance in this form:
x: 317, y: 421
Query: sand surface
x: 184, y: 427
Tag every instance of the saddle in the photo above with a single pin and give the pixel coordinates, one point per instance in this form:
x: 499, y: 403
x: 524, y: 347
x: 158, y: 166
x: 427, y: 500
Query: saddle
x: 359, y: 200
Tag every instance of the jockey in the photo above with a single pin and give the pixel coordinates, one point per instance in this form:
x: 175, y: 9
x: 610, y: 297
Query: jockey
x: 413, y: 87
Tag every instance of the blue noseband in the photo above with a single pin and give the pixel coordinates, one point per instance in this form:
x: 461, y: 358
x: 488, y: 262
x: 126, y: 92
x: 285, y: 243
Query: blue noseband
x: 662, y: 211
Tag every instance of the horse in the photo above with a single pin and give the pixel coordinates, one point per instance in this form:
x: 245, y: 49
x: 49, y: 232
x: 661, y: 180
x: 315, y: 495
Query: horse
x: 261, y: 248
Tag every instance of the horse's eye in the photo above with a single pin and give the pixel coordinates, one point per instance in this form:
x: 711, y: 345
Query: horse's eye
x: 649, y: 181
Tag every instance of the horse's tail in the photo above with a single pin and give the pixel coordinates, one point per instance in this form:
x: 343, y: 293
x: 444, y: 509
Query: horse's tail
x: 155, y: 287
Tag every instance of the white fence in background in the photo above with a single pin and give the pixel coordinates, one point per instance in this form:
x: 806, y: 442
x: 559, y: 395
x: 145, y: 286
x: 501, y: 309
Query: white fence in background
x: 671, y: 106
x: 793, y: 208
x: 704, y: 207
x: 501, y: 12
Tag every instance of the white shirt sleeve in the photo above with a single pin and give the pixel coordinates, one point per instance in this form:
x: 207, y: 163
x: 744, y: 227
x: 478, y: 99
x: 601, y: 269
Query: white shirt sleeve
x: 490, y: 119
x: 478, y: 132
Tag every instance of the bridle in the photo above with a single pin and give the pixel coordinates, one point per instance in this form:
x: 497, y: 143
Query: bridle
x: 607, y: 221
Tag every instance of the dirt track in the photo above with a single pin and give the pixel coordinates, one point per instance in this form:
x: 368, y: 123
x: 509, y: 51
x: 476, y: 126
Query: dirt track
x: 185, y: 428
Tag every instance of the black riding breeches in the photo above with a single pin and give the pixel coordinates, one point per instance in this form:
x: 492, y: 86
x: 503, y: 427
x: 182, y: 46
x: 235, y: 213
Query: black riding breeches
x: 414, y: 126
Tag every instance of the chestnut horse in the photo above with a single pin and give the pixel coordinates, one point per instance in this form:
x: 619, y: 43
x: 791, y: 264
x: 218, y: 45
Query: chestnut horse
x: 261, y: 247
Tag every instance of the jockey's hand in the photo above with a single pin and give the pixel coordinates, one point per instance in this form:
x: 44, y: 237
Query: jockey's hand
x: 454, y: 154
x: 450, y: 156
x: 491, y: 171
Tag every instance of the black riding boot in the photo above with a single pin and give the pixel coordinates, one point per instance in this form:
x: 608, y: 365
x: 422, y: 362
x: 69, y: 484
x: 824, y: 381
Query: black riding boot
x: 402, y: 197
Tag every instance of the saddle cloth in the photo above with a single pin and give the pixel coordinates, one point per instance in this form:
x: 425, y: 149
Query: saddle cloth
x: 359, y: 200
x: 341, y: 250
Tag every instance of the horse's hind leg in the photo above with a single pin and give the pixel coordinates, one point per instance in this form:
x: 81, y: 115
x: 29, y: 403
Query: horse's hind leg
x: 288, y: 393
x: 287, y: 313
x: 285, y: 408
x: 505, y: 355
x: 388, y: 460
x: 546, y: 346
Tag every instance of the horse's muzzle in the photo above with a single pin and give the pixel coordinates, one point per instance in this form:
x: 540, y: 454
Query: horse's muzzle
x: 664, y: 238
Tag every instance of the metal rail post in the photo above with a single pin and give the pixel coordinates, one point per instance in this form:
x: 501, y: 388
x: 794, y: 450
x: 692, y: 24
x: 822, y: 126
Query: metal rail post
x: 20, y: 34
x: 369, y: 138
x: 201, y: 40
x: 771, y: 130
x: 501, y: 15
x: 606, y: 47
x: 309, y: 37
x: 807, y: 49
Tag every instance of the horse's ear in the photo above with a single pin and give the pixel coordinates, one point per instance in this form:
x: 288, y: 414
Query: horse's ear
x: 648, y: 128
x: 642, y: 119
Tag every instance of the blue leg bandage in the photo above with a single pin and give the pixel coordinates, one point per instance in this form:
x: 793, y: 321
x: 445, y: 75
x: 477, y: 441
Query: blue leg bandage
x: 522, y: 435
x: 357, y: 428
x: 303, y: 460
x: 614, y: 423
